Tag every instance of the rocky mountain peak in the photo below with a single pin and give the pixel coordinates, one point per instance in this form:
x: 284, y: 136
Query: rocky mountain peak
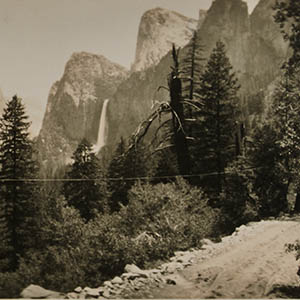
x: 159, y: 29
x: 81, y: 71
x: 75, y: 103
x: 228, y: 15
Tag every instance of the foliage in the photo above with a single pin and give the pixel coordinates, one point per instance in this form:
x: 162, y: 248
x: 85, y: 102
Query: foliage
x: 176, y: 212
x: 288, y: 17
x: 19, y: 211
x: 86, y: 190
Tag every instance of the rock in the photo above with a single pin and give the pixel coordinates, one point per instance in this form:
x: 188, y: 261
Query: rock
x: 108, y: 284
x: 106, y: 293
x: 133, y: 269
x: 130, y: 276
x: 93, y: 292
x: 171, y: 268
x: 206, y: 242
x: 73, y: 295
x: 35, y: 292
x: 117, y: 280
x: 78, y: 289
x: 241, y: 228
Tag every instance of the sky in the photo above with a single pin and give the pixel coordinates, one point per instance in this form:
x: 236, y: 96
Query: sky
x: 39, y: 36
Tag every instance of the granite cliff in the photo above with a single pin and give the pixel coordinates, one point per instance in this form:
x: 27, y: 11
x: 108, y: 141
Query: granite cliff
x: 74, y: 104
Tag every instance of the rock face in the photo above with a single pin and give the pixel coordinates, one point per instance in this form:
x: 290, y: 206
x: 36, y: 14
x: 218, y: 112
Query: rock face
x: 159, y: 29
x: 202, y: 16
x: 75, y: 102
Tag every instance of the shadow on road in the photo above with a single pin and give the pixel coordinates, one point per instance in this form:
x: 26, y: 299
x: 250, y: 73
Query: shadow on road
x: 287, y: 291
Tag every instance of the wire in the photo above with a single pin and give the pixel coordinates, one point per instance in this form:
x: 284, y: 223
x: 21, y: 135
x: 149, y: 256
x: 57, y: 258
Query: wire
x: 117, y: 178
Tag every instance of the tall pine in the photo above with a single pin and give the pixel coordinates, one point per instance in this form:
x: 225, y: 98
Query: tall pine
x: 85, y: 188
x: 19, y: 213
x: 216, y: 118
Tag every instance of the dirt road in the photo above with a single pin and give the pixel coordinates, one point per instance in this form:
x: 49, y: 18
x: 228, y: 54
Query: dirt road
x: 252, y: 263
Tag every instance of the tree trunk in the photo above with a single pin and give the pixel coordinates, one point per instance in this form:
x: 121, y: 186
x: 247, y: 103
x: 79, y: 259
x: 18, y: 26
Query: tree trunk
x: 297, y: 203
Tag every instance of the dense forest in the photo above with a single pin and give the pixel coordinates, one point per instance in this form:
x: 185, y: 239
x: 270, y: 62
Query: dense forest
x: 200, y: 171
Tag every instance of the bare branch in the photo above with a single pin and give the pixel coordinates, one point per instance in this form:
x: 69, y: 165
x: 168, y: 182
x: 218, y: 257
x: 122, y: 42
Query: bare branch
x: 162, y: 87
x: 162, y: 148
x: 191, y: 104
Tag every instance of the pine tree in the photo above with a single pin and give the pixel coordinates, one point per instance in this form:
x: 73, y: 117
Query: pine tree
x: 19, y: 212
x: 286, y: 131
x: 86, y: 188
x: 117, y: 188
x: 191, y: 69
x: 288, y: 17
x: 125, y: 168
x: 216, y: 121
x: 269, y: 183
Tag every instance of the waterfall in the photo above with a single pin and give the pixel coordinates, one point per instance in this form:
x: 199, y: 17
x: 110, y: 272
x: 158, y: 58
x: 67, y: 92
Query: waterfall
x: 101, y: 139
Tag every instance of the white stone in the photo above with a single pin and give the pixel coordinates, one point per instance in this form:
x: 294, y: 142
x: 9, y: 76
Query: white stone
x: 78, y: 289
x: 117, y: 280
x: 35, y: 292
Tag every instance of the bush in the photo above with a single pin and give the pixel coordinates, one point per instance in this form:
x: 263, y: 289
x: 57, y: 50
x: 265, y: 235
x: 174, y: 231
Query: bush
x: 175, y: 214
x: 158, y: 220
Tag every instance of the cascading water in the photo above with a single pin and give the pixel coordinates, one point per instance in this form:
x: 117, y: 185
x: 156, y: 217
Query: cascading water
x: 101, y: 139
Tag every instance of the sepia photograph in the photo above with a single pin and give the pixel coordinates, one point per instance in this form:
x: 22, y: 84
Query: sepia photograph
x: 149, y: 149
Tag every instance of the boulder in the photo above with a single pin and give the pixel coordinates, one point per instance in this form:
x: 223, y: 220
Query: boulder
x: 108, y: 284
x: 73, y: 295
x: 78, y: 289
x: 36, y: 292
x: 117, y: 280
x: 133, y: 269
x: 93, y: 292
x: 106, y: 293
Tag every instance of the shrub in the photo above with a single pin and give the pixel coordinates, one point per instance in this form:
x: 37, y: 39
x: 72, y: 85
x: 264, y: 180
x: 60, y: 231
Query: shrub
x: 176, y: 214
x: 158, y: 220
